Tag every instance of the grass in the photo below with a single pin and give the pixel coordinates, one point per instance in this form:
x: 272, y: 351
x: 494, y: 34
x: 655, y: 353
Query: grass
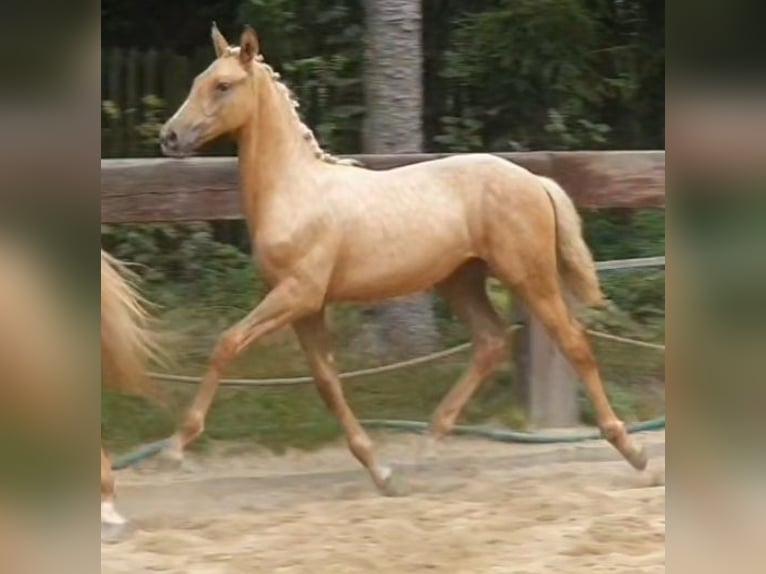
x: 295, y: 417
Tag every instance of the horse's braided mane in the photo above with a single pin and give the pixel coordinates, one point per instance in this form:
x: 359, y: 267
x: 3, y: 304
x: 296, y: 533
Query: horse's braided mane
x: 308, y: 135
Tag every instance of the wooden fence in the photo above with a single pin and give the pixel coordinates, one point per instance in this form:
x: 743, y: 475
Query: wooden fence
x: 206, y: 189
x: 200, y: 189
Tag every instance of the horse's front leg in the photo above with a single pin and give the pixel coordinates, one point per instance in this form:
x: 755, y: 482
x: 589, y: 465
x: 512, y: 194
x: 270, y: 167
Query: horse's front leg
x: 287, y: 302
x: 315, y: 340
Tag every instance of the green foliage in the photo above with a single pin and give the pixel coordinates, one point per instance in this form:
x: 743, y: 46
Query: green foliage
x: 144, y: 135
x: 641, y: 294
x: 149, y: 129
x: 503, y: 75
x: 547, y: 74
x: 183, y: 261
x: 315, y: 44
x: 621, y: 234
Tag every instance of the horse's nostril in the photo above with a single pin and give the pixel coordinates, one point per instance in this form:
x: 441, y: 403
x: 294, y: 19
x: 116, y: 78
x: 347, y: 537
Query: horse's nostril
x: 169, y: 138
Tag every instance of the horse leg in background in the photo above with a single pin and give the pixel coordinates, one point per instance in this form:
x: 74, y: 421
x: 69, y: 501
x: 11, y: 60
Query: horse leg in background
x: 112, y: 523
x: 315, y: 340
x: 541, y: 291
x: 288, y: 301
x: 466, y: 293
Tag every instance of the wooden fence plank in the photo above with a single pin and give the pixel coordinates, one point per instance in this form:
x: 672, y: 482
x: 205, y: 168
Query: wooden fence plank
x: 157, y: 190
x: 151, y: 79
x: 206, y: 188
x: 612, y: 179
x: 114, y: 94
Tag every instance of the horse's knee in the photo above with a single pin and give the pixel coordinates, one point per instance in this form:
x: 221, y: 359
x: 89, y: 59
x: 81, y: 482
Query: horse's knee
x: 226, y: 348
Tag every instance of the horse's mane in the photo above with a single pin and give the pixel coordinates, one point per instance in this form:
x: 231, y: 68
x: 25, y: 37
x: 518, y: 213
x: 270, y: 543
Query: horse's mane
x: 292, y: 100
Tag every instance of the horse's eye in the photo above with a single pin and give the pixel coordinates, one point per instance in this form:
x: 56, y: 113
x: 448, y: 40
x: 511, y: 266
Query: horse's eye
x: 222, y: 86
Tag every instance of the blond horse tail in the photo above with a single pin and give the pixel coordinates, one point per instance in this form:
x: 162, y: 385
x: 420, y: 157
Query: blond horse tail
x: 127, y: 342
x: 576, y: 265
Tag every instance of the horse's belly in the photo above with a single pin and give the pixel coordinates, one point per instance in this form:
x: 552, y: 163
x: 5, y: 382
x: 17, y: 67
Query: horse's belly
x: 387, y: 272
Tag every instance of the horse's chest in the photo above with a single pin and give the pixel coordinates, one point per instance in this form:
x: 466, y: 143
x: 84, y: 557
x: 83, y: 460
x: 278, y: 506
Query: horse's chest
x: 276, y: 253
x: 281, y: 249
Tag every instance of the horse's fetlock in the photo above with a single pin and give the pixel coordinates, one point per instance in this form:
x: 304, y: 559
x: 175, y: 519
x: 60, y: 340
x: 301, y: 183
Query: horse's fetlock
x: 193, y: 425
x: 614, y: 431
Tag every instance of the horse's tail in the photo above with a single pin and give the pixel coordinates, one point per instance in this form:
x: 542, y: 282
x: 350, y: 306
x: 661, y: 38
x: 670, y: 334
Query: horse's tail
x: 576, y: 265
x: 127, y: 341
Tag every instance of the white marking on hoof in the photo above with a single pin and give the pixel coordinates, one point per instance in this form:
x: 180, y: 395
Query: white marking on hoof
x: 385, y: 472
x: 172, y: 456
x: 394, y: 485
x: 109, y: 513
x: 113, y: 524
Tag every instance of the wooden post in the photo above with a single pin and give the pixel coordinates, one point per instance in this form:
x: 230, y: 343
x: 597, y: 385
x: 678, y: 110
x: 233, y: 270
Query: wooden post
x: 115, y: 94
x: 150, y: 87
x: 131, y: 102
x: 548, y: 383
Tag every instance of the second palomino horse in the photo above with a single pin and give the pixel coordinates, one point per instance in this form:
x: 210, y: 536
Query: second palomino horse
x: 327, y: 232
x: 127, y: 346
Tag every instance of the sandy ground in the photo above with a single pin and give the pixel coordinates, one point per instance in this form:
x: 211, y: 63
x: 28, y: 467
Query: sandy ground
x: 478, y: 507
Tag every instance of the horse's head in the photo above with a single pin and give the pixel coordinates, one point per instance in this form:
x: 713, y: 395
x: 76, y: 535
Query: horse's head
x: 221, y: 99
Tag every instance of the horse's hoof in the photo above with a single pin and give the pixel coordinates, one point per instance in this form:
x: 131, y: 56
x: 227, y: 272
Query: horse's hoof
x: 112, y: 533
x: 172, y: 456
x: 395, y: 485
x: 113, y: 526
x: 616, y: 434
x: 637, y: 457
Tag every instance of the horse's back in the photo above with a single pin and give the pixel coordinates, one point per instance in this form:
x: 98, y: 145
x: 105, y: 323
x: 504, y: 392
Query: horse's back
x: 412, y: 226
x: 463, y: 163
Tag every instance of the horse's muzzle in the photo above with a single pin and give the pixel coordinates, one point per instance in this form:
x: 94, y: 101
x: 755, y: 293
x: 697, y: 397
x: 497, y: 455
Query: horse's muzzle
x: 173, y: 145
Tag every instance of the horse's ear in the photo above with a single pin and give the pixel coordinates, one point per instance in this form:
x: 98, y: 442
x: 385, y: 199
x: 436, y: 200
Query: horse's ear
x: 219, y: 42
x: 248, y: 45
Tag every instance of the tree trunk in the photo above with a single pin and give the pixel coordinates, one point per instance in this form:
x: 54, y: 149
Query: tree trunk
x: 393, y: 92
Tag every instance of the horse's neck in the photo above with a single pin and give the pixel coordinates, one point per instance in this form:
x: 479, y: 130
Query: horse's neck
x: 271, y: 149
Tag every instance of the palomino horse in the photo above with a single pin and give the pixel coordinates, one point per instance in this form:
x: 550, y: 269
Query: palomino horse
x: 328, y: 232
x: 127, y: 345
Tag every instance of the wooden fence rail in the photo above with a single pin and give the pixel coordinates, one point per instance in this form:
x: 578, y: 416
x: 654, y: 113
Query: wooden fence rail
x: 198, y: 189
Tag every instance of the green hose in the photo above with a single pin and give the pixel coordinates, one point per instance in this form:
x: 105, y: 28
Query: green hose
x: 503, y: 435
x: 139, y: 454
x: 500, y: 435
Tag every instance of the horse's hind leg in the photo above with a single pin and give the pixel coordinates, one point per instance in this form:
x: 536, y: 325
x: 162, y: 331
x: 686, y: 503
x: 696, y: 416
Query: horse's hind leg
x: 466, y: 293
x: 541, y: 291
